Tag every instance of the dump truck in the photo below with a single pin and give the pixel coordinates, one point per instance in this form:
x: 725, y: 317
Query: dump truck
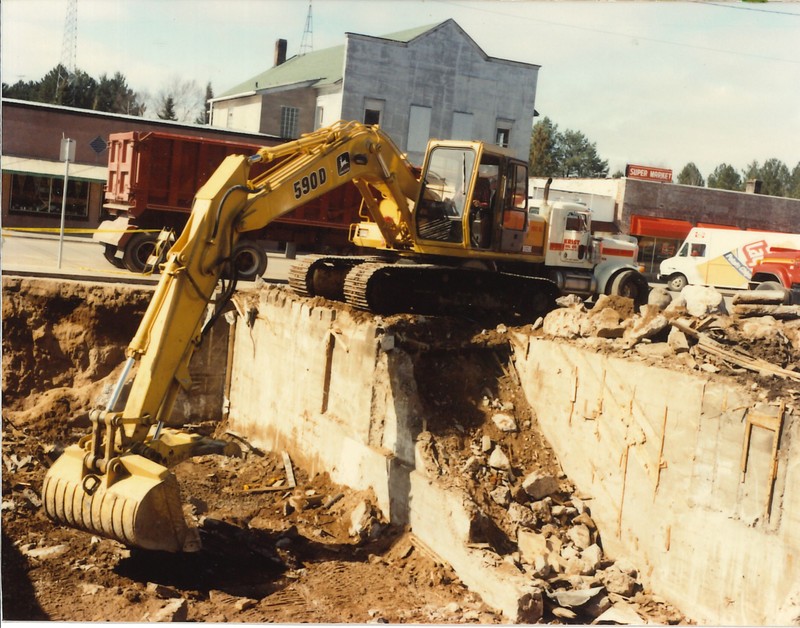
x: 455, y: 239
x: 152, y: 178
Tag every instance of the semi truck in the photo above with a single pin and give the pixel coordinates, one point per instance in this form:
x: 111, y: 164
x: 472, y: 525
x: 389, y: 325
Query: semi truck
x: 152, y: 178
x: 719, y: 257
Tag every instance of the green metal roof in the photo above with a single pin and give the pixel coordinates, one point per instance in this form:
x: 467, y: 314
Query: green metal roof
x: 323, y: 67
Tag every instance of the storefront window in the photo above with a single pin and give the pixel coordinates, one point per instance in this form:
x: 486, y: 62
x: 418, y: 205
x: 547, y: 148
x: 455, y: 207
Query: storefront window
x: 653, y: 251
x: 42, y: 196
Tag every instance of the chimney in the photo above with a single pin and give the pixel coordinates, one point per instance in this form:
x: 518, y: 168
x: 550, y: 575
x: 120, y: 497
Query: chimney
x: 753, y: 186
x: 280, y: 51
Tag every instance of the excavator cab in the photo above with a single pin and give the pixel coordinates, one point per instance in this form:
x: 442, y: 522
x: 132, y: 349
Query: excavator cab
x: 473, y: 196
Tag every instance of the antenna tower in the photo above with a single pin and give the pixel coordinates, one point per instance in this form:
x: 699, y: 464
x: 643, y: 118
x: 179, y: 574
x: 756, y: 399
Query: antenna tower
x: 69, y: 47
x: 307, y: 42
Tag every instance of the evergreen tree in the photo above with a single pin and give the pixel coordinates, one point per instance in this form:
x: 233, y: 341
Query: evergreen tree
x: 79, y: 90
x: 794, y: 182
x: 725, y: 177
x: 167, y: 110
x: 690, y: 175
x: 775, y: 178
x: 114, y: 95
x: 204, y: 117
x: 568, y: 154
x: 580, y: 158
x: 543, y: 160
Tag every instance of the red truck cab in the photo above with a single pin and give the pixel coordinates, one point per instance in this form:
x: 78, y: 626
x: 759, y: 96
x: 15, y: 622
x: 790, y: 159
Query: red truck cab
x: 780, y: 269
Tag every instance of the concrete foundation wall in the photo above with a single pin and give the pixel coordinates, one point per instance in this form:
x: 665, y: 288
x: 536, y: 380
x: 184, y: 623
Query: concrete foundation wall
x: 311, y: 381
x: 660, y: 453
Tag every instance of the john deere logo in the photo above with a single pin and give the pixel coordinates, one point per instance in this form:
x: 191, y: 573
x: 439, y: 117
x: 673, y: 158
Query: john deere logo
x: 343, y: 164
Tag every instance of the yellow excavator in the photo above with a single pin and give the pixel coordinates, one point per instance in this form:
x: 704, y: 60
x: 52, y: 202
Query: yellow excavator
x: 456, y: 239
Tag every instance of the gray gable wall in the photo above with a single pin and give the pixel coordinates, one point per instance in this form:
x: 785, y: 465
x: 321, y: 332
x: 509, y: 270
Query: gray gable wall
x: 443, y: 69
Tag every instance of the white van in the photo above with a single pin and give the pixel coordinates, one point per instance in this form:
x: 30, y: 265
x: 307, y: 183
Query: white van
x: 723, y: 258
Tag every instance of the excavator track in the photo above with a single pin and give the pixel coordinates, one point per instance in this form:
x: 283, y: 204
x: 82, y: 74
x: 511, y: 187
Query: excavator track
x: 323, y: 275
x: 429, y: 289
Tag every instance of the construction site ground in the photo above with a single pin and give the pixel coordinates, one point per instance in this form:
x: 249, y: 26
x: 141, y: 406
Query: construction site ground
x: 288, y: 555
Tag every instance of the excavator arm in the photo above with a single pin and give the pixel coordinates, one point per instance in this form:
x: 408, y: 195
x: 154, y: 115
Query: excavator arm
x: 116, y: 481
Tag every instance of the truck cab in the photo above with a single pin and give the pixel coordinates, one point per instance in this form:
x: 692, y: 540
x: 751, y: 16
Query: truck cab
x: 779, y: 269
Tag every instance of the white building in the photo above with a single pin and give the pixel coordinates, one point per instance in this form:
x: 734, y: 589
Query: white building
x: 432, y: 81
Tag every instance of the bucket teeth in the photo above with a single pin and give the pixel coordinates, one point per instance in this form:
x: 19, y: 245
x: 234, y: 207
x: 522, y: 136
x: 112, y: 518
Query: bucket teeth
x: 142, y: 509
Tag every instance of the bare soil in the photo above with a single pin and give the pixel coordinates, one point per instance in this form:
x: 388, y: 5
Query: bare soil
x: 270, y: 553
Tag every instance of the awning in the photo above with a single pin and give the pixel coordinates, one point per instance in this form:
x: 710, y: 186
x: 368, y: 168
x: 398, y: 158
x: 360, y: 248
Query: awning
x: 660, y: 227
x: 45, y: 168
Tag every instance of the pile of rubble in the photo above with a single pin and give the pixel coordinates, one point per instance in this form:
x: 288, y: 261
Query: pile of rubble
x: 760, y: 335
x: 526, y: 513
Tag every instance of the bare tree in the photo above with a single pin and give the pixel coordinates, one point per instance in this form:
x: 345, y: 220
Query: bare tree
x: 188, y: 99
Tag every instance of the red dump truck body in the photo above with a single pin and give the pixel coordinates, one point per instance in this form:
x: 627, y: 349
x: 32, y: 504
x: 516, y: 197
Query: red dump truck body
x: 152, y: 180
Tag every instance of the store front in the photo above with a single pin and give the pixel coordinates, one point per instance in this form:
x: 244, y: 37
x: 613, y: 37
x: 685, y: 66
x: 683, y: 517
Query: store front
x: 33, y: 193
x: 659, y: 238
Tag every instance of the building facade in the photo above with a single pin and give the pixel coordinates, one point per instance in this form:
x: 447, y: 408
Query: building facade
x: 33, y: 172
x: 433, y: 81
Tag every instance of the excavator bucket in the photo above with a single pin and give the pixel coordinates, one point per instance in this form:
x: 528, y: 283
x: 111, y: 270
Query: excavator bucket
x: 141, y: 508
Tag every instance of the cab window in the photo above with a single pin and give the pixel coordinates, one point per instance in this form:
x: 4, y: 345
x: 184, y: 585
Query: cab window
x: 516, y: 198
x: 698, y: 250
x: 444, y: 194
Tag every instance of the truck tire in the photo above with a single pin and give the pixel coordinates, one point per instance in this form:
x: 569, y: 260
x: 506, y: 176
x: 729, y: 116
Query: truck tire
x: 677, y: 282
x: 632, y: 285
x: 769, y: 285
x: 110, y: 253
x: 249, y: 260
x: 137, y: 252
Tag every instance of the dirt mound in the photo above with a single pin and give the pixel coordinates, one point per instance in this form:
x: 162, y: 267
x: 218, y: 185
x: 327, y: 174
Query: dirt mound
x: 62, y: 342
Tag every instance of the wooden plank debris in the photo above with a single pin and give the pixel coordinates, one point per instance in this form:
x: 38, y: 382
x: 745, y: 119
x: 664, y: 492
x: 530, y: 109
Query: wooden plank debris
x: 733, y: 356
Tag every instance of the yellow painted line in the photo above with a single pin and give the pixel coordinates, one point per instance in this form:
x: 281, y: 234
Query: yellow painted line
x: 11, y: 230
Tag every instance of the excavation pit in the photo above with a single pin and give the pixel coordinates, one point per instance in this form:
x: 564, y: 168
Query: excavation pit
x: 532, y: 470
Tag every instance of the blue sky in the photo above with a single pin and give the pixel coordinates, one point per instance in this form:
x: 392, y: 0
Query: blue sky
x: 653, y: 83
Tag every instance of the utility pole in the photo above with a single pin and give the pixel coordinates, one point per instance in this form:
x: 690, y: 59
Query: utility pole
x: 67, y: 155
x: 69, y: 48
x: 307, y: 42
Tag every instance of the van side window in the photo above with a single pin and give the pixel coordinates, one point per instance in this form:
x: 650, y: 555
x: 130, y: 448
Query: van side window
x: 698, y: 250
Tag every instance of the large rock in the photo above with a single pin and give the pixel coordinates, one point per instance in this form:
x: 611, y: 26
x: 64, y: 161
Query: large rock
x: 563, y: 323
x: 703, y: 300
x: 649, y: 324
x: 539, y: 485
x: 660, y: 298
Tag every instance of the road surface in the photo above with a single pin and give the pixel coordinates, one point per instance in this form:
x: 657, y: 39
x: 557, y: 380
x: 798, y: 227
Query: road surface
x: 37, y: 254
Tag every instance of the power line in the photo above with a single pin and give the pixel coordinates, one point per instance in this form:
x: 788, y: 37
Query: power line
x: 667, y: 42
x: 746, y: 8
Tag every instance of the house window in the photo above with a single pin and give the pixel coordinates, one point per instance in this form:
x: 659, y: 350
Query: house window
x: 372, y: 116
x: 502, y: 136
x: 319, y: 117
x: 289, y: 122
x: 373, y: 110
x: 42, y: 196
x: 419, y: 128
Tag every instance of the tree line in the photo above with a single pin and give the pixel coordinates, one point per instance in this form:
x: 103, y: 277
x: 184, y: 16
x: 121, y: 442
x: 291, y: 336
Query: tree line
x: 571, y: 154
x: 179, y: 100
